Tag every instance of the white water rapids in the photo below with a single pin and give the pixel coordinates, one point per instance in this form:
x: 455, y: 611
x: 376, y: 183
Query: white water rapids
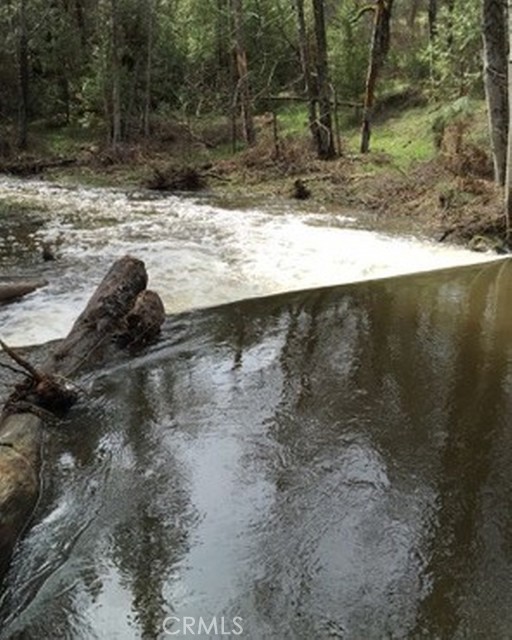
x: 197, y: 254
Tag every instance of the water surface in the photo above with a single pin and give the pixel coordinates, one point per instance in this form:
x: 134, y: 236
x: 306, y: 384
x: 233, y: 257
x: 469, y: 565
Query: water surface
x: 333, y: 463
x: 198, y: 254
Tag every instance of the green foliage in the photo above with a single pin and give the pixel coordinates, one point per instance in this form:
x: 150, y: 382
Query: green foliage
x: 8, y: 70
x: 293, y: 120
x: 454, y: 56
x: 271, y: 31
x: 189, y: 45
x: 205, y: 38
x: 349, y: 50
x: 405, y: 139
x: 406, y: 60
x: 459, y: 111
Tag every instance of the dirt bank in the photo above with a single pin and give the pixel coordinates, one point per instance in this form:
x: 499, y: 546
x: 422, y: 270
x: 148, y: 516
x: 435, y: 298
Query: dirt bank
x: 441, y: 198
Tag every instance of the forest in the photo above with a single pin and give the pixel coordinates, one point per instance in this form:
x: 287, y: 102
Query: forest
x: 377, y: 88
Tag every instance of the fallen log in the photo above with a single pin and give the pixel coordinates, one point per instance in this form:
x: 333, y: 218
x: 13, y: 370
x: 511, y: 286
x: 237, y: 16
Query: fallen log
x: 176, y: 179
x: 120, y: 314
x: 11, y: 291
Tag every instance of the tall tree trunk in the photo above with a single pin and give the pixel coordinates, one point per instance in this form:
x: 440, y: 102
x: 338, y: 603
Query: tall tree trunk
x: 149, y: 55
x: 80, y: 21
x: 65, y: 95
x: 508, y: 178
x: 326, y: 148
x: 305, y: 60
x: 378, y: 52
x: 415, y: 5
x: 23, y: 76
x: 432, y: 19
x: 495, y: 79
x: 244, y: 91
x: 222, y: 55
x: 115, y: 69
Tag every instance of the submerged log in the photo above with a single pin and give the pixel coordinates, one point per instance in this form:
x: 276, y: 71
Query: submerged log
x: 11, y: 291
x: 20, y: 444
x: 46, y: 392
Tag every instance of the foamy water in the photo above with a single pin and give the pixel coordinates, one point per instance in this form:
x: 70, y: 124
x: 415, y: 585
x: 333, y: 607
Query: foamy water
x: 197, y: 254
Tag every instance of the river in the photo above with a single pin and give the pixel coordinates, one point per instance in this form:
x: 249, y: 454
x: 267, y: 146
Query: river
x: 325, y: 462
x: 198, y: 254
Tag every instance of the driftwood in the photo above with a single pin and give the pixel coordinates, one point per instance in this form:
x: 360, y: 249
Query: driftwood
x: 121, y: 313
x: 176, y: 179
x: 10, y: 291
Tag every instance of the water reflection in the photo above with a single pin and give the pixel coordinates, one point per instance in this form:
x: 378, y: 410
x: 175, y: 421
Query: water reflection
x: 331, y: 463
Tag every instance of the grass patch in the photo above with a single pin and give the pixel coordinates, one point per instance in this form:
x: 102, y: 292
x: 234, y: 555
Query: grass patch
x: 63, y: 140
x: 293, y: 120
x: 405, y: 139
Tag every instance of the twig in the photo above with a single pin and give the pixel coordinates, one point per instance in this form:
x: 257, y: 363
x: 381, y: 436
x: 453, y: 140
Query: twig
x: 13, y: 369
x: 24, y: 406
x: 24, y: 364
x: 447, y: 232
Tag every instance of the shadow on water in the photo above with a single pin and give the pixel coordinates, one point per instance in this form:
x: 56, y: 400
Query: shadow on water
x: 328, y: 463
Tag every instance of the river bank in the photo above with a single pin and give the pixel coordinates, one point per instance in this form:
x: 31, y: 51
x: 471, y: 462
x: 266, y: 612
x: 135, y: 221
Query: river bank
x: 422, y: 178
x: 202, y: 250
x: 427, y: 200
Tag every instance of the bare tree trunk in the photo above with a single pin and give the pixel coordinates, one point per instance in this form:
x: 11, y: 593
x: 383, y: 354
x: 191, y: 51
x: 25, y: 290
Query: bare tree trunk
x: 508, y: 178
x: 244, y: 91
x: 415, y: 5
x: 432, y: 19
x: 378, y: 52
x: 305, y: 60
x: 326, y: 148
x: 495, y: 79
x: 65, y: 95
x: 149, y: 54
x: 222, y: 54
x: 116, y: 80
x: 79, y: 13
x: 337, y: 128
x: 23, y: 75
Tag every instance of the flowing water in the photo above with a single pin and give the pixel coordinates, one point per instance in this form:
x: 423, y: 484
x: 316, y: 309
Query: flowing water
x: 328, y: 463
x: 197, y: 254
